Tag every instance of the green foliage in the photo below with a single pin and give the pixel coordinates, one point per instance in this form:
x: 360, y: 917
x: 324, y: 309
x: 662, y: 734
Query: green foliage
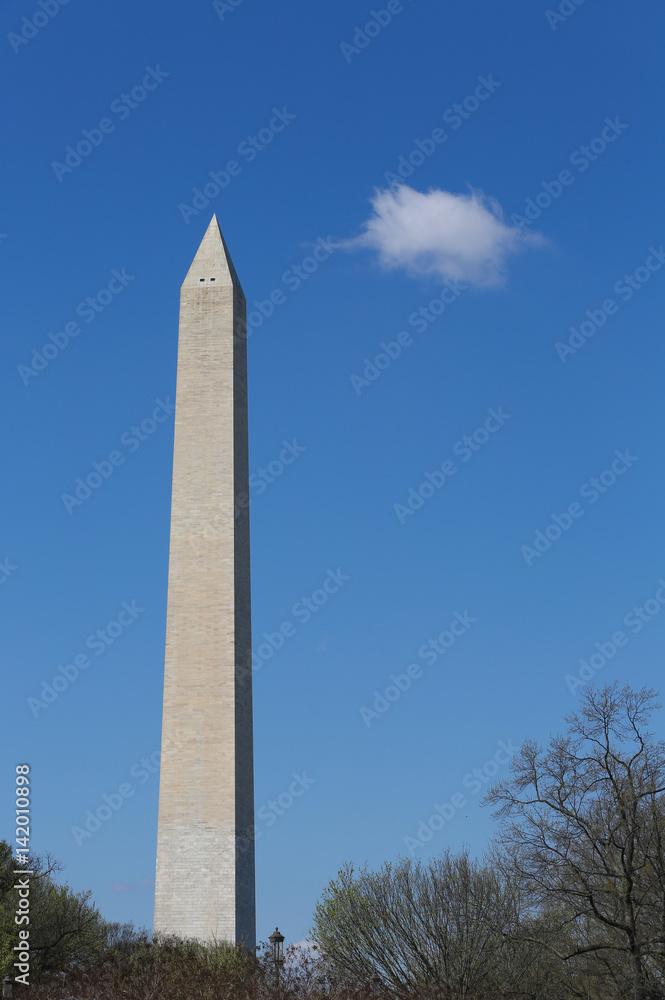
x: 64, y: 926
x: 430, y: 930
x: 229, y: 960
x: 173, y: 969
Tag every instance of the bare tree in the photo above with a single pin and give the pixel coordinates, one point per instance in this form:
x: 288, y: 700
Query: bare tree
x: 426, y: 930
x: 583, y: 832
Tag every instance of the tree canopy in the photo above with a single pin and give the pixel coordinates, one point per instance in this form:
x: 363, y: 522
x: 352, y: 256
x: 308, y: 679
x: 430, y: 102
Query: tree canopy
x: 64, y: 925
x: 568, y: 902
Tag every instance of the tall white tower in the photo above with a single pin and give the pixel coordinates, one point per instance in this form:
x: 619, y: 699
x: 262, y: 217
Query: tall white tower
x: 205, y: 848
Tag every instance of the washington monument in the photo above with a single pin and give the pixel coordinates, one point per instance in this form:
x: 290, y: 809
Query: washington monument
x: 205, y: 855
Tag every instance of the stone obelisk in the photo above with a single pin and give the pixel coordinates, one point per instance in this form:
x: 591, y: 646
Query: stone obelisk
x: 205, y: 848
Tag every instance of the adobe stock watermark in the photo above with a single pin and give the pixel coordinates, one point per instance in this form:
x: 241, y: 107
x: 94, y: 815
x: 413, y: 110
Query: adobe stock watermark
x: 430, y: 652
x: 420, y: 319
x: 121, y: 108
x: 97, y: 642
x: 88, y: 310
x: 625, y: 288
x: 31, y: 26
x: 292, y: 279
x: 22, y: 823
x: 7, y: 569
x: 465, y: 448
x: 269, y: 813
x: 454, y: 116
x: 262, y: 478
x: 475, y: 781
x: 248, y: 149
x: 302, y: 611
x: 565, y: 10
x: 112, y: 802
x: 635, y: 620
x: 581, y: 158
x: 131, y: 439
x: 224, y: 7
x: 590, y: 491
x: 378, y: 21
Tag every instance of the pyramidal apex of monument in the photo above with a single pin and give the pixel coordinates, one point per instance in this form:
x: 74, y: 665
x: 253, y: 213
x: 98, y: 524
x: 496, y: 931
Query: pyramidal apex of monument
x: 212, y: 266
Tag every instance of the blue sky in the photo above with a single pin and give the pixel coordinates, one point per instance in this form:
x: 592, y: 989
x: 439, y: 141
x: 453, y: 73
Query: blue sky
x: 568, y: 116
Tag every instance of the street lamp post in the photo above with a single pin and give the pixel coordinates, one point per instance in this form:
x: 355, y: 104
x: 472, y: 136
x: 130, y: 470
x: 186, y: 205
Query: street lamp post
x: 277, y: 951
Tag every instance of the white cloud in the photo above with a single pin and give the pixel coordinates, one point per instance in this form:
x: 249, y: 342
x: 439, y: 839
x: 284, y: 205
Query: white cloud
x: 458, y: 236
